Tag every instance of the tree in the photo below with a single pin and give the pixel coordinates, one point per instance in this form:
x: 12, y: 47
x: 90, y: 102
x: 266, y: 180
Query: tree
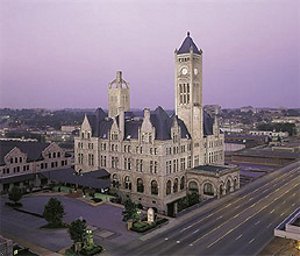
x: 54, y: 212
x: 15, y: 194
x: 131, y: 211
x: 77, y: 231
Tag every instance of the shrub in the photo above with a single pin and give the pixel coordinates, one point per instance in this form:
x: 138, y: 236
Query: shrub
x: 97, y: 200
x: 15, y: 194
x: 142, y: 227
x: 95, y: 250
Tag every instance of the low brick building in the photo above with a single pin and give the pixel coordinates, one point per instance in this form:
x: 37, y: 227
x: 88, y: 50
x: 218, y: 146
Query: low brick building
x: 22, y: 161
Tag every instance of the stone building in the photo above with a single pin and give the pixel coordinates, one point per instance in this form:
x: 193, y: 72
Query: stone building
x: 22, y: 161
x: 148, y: 156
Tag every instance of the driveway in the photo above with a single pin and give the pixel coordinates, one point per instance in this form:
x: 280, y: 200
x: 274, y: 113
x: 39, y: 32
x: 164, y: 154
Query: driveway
x: 106, y: 219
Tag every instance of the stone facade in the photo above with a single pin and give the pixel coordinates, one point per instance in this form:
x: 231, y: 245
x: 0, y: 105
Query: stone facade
x: 213, y: 180
x: 20, y: 160
x: 148, y: 156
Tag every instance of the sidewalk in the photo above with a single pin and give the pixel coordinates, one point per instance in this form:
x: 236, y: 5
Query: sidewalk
x: 34, y: 248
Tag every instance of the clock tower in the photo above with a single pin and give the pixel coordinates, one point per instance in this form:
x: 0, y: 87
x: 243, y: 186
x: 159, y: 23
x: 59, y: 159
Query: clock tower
x: 188, y: 92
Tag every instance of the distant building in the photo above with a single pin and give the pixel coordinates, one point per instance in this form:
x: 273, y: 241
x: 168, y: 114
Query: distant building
x: 265, y: 156
x: 69, y: 128
x: 213, y: 110
x: 149, y: 156
x: 21, y: 162
x: 270, y: 133
x: 248, y: 109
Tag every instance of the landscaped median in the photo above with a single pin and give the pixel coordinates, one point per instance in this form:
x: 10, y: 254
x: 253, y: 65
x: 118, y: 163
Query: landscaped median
x: 144, y: 226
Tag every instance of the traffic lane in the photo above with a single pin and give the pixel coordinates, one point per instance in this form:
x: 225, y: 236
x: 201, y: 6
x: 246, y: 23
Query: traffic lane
x: 192, y: 228
x: 214, y: 236
x: 275, y: 216
x: 178, y: 236
x: 250, y: 237
x: 237, y: 218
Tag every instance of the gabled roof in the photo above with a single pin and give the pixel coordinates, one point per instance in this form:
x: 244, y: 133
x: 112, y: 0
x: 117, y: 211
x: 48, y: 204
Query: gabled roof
x: 159, y: 118
x: 32, y: 149
x: 187, y: 44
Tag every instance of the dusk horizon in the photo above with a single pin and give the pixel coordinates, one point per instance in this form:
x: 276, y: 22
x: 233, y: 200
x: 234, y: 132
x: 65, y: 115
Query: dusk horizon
x: 58, y: 55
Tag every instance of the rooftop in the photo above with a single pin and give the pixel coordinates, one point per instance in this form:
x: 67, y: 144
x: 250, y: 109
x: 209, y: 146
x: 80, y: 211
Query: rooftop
x: 213, y: 169
x: 187, y: 45
x: 32, y: 149
x: 96, y: 179
x: 267, y: 152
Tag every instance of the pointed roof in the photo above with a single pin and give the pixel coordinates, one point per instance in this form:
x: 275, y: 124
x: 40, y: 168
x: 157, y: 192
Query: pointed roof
x: 187, y: 44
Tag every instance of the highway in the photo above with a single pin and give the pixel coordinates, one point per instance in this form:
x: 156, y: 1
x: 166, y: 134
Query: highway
x: 238, y: 224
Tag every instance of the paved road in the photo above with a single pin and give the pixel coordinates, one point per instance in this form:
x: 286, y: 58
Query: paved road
x: 239, y: 224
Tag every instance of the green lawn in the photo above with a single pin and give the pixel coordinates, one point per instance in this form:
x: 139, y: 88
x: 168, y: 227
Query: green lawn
x: 64, y: 189
x: 104, y: 197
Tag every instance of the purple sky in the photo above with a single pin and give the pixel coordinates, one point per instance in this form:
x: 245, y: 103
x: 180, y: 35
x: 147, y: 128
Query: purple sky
x: 56, y: 53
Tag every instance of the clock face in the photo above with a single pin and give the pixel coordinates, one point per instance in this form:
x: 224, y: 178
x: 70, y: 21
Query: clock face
x: 184, y: 71
x: 196, y: 71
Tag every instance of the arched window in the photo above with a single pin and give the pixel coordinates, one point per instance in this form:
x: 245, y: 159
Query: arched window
x: 127, y: 183
x: 175, y: 186
x: 182, y: 181
x: 115, y: 181
x: 221, y: 189
x: 168, y: 187
x: 208, y: 189
x: 140, y: 185
x: 154, y: 187
x: 193, y: 187
x: 228, y: 185
x: 235, y: 183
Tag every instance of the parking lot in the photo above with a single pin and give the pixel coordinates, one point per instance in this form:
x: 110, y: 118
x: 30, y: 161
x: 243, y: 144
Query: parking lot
x: 105, y: 219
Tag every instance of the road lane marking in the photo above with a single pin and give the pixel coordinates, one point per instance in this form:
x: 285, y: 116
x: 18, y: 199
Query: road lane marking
x: 269, y: 225
x: 236, y: 215
x: 238, y: 206
x: 267, y: 196
x: 294, y: 194
x: 228, y: 205
x: 220, y: 217
x: 293, y: 204
x: 177, y: 241
x: 257, y: 222
x: 191, y: 245
x: 251, y: 241
x: 185, y: 228
x: 272, y: 211
x: 239, y: 237
x: 282, y: 213
x: 276, y: 189
x: 251, y: 199
x: 287, y: 175
x: 196, y: 231
x: 228, y: 232
x: 166, y: 239
x: 252, y: 205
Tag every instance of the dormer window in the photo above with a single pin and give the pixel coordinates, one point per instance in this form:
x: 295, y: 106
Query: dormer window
x: 114, y: 136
